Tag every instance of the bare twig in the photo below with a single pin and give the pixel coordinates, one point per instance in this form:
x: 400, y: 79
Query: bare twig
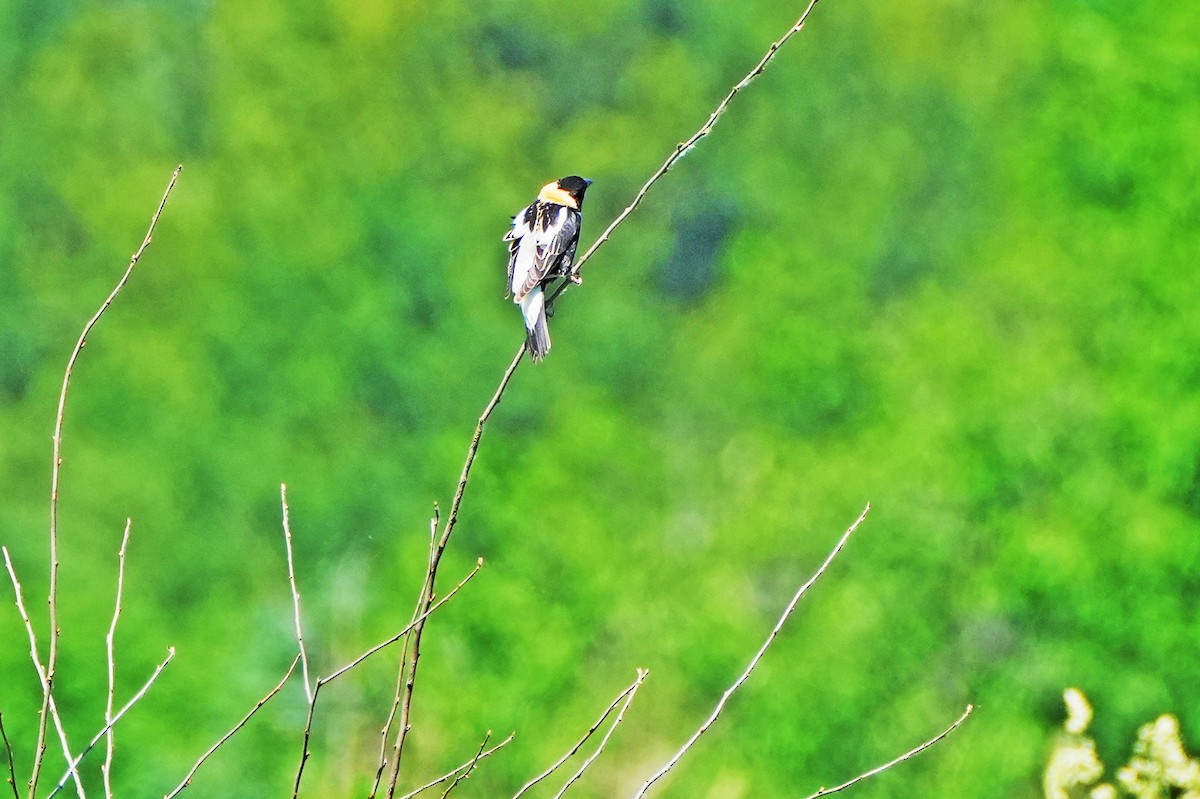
x: 910, y: 753
x: 74, y: 764
x: 435, y: 559
x: 8, y: 751
x: 745, y: 675
x: 322, y: 681
x: 684, y: 148
x: 411, y: 625
x: 403, y: 671
x: 52, y: 708
x: 279, y: 686
x: 579, y: 744
x: 52, y: 657
x: 466, y: 772
x: 642, y: 674
x: 407, y: 674
x: 106, y: 769
x: 287, y: 538
x: 386, y: 731
x: 453, y: 773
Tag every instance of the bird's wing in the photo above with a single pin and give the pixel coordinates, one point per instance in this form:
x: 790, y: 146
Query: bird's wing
x: 519, y: 229
x: 556, y: 234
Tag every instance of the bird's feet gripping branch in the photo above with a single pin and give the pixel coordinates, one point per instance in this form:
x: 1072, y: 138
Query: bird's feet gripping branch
x: 541, y: 249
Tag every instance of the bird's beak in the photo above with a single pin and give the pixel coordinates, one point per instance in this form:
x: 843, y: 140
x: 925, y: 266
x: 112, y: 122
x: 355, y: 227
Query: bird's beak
x: 588, y: 182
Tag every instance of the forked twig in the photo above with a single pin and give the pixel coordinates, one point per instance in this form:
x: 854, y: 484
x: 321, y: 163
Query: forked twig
x: 52, y: 707
x: 8, y: 751
x: 73, y: 765
x: 106, y: 769
x: 684, y: 148
x: 642, y: 674
x: 52, y: 656
x: 405, y: 665
x: 470, y: 766
x: 579, y: 744
x: 442, y: 601
x: 745, y: 675
x: 322, y: 681
x: 386, y: 731
x: 435, y: 559
x: 410, y: 658
x: 278, y: 687
x: 452, y: 774
x: 287, y: 539
x: 910, y: 753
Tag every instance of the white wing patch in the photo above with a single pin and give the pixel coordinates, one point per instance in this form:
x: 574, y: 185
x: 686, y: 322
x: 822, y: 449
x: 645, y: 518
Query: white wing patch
x: 533, y: 252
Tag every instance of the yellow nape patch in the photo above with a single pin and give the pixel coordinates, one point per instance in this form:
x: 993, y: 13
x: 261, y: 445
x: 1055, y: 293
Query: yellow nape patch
x: 551, y: 193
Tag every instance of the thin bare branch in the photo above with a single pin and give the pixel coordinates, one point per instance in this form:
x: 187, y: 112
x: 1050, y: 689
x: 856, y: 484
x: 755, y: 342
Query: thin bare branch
x: 106, y: 769
x: 579, y: 744
x: 52, y: 657
x: 258, y: 706
x: 411, y: 625
x: 910, y: 753
x: 305, y: 751
x: 52, y: 707
x: 435, y: 560
x: 402, y: 672
x: 8, y: 751
x: 452, y: 774
x: 745, y: 675
x: 466, y: 772
x: 472, y: 451
x: 73, y: 765
x: 685, y: 147
x: 642, y: 674
x: 385, y: 732
x: 287, y: 539
x: 407, y: 673
x: 322, y: 681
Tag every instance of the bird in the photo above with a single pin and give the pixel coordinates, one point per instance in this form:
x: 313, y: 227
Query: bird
x: 541, y: 249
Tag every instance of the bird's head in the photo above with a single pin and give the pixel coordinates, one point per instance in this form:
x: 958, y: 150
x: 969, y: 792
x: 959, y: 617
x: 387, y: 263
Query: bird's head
x: 565, y: 191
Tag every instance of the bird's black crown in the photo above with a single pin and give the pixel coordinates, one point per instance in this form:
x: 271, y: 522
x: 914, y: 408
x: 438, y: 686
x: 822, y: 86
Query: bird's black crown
x: 574, y: 186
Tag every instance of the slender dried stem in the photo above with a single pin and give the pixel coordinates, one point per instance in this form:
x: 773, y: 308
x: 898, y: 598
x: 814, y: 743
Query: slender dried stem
x: 435, y: 560
x: 411, y: 625
x: 685, y: 147
x: 8, y: 751
x: 470, y: 766
x: 591, y: 730
x: 910, y: 753
x: 386, y: 731
x: 642, y: 674
x: 52, y: 656
x: 322, y: 681
x: 52, y: 707
x: 403, y: 670
x: 407, y: 674
x: 74, y: 764
x: 258, y: 706
x: 287, y: 539
x: 106, y: 769
x: 455, y: 772
x: 745, y: 675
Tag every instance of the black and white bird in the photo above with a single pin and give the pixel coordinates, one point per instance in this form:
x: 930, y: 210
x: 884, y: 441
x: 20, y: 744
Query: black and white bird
x: 541, y: 249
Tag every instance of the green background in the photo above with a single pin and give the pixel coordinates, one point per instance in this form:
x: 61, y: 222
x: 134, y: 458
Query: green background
x: 940, y: 257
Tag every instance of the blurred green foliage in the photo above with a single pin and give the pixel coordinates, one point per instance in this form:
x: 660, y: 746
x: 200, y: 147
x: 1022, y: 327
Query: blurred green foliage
x: 941, y: 256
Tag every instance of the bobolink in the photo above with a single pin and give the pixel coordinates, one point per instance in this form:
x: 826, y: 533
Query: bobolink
x: 541, y: 249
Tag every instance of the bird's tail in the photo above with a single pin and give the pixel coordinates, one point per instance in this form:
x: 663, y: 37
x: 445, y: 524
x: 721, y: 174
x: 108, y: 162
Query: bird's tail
x: 537, y: 331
